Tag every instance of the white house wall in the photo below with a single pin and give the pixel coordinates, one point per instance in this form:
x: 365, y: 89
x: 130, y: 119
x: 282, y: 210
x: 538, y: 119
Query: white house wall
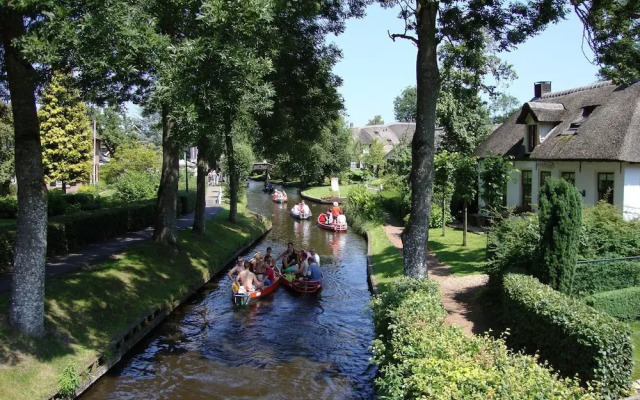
x: 586, y: 173
x: 631, y: 206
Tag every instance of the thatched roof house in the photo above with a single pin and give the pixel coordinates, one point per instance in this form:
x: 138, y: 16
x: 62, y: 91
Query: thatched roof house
x: 589, y: 135
x: 389, y: 135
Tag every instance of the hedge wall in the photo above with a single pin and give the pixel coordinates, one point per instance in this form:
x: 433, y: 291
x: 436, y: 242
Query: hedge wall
x: 419, y: 356
x: 573, y: 337
x: 599, y: 277
x: 623, y: 304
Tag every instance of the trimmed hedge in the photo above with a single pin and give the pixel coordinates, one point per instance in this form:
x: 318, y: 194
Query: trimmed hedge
x: 623, y: 304
x: 573, y: 337
x: 419, y: 356
x: 186, y: 202
x: 600, y: 277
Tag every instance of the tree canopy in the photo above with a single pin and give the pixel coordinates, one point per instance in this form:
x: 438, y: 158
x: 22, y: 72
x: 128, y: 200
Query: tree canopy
x: 404, y: 105
x: 376, y: 120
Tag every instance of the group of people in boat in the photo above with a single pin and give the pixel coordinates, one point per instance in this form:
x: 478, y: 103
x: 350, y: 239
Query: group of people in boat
x: 301, y: 209
x: 333, y: 215
x: 261, y: 271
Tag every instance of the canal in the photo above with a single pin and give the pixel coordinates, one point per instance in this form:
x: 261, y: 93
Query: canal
x: 281, y: 347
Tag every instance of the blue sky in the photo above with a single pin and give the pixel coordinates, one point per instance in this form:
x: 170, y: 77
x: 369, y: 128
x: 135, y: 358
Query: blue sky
x: 375, y: 69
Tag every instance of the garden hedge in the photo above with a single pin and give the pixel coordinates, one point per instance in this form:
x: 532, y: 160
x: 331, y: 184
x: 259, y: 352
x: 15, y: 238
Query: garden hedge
x: 622, y: 304
x: 420, y: 357
x: 573, y: 337
x: 600, y: 277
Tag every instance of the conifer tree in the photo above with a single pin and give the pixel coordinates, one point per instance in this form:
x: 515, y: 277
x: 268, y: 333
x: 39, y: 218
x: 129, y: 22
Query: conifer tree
x: 560, y: 215
x: 65, y: 133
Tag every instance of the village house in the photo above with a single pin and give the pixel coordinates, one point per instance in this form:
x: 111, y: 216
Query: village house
x: 589, y: 136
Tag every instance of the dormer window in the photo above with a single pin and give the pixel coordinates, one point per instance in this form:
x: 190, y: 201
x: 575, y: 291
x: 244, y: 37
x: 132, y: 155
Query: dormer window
x: 532, y: 137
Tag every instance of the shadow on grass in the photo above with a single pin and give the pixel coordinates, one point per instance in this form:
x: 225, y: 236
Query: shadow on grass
x: 461, y: 260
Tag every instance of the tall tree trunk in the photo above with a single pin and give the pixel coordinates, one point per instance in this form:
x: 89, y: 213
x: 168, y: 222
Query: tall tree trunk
x: 416, y: 233
x: 165, y: 231
x: 26, y: 309
x: 464, y: 225
x: 201, y: 192
x: 64, y: 187
x: 233, y: 173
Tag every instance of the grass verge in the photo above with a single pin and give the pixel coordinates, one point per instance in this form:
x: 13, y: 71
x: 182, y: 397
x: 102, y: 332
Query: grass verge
x: 635, y: 338
x: 385, y: 257
x: 85, y: 310
x: 449, y: 249
x: 318, y: 192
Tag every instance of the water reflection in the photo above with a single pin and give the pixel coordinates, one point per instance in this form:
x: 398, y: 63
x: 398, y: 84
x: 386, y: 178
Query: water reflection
x: 284, y: 346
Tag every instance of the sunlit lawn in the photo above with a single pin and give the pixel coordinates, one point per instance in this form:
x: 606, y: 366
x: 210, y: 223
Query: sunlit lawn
x: 635, y: 337
x: 463, y: 260
x: 319, y: 192
x: 386, y: 258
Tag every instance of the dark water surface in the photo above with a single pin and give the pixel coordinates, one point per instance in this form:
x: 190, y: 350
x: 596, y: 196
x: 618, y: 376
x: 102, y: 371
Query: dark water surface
x: 282, y: 347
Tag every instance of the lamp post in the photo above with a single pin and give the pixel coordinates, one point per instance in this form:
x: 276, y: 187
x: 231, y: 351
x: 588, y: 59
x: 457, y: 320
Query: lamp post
x: 186, y: 172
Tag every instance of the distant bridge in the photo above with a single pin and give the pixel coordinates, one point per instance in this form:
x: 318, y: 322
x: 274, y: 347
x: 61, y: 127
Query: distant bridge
x: 261, y: 166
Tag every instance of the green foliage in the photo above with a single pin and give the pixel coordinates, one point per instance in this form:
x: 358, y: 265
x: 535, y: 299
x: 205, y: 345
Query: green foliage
x: 420, y: 356
x: 404, y: 105
x: 465, y: 175
x: 376, y: 120
x: 597, y: 277
x: 134, y: 186
x: 395, y: 201
x: 443, y: 186
x: 57, y: 205
x: 435, y: 220
x: 113, y: 127
x: 495, y: 174
x: 69, y: 381
x: 363, y: 207
x: 374, y: 159
x: 512, y: 245
x: 560, y: 214
x: 65, y: 133
x: 622, y: 304
x: 7, y: 162
x: 573, y: 337
x: 132, y: 157
x: 8, y: 207
x: 502, y: 106
x: 606, y: 234
x: 186, y: 201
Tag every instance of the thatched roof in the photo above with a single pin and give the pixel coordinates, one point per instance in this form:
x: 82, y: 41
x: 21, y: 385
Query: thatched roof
x: 389, y: 135
x: 595, y: 122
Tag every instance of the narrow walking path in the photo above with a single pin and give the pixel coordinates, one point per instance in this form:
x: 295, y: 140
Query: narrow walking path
x: 458, y: 292
x: 97, y: 252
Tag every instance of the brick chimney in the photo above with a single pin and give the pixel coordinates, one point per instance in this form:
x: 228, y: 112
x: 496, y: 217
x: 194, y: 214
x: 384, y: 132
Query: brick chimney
x: 540, y: 88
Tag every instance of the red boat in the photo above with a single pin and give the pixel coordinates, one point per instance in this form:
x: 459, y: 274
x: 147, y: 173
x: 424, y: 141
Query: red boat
x: 242, y: 299
x: 302, y: 286
x: 336, y: 227
x: 279, y: 197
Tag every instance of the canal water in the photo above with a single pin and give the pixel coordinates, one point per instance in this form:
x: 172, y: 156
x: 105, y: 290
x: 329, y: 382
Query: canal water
x: 286, y: 346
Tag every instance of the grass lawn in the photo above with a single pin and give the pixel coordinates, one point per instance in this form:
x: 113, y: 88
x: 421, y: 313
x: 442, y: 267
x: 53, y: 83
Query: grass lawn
x: 319, y: 192
x: 635, y: 338
x: 386, y: 258
x: 85, y: 310
x: 462, y: 260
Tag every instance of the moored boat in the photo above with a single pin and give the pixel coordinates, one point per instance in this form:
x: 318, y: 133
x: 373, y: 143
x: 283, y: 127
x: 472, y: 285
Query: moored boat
x: 242, y: 299
x: 335, y: 226
x: 300, y: 285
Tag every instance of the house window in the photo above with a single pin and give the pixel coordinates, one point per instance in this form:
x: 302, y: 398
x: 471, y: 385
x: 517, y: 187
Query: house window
x: 544, y: 175
x: 569, y: 177
x: 532, y: 137
x: 605, y: 187
x: 527, y: 181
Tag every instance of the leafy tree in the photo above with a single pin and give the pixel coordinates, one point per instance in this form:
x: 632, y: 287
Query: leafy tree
x: 65, y: 132
x: 404, y: 106
x: 502, y: 107
x: 376, y: 120
x: 375, y: 156
x: 135, y: 185
x: 443, y: 182
x: 7, y: 162
x: 495, y: 174
x: 113, y: 127
x: 466, y: 183
x: 132, y: 157
x: 560, y: 214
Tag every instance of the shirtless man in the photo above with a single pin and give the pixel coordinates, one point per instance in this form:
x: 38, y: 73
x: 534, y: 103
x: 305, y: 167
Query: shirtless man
x: 248, y: 280
x: 237, y: 269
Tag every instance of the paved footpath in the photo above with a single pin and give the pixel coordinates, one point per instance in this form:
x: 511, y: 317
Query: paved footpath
x: 458, y: 292
x: 97, y: 252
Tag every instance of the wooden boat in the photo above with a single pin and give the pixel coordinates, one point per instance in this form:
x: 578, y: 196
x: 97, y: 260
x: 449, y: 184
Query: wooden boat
x: 301, y: 286
x: 279, y: 198
x: 335, y: 227
x: 242, y: 299
x: 295, y: 213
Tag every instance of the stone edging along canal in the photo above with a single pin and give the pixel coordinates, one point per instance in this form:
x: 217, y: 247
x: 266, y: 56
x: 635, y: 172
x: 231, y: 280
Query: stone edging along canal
x: 371, y: 279
x: 140, y: 328
x: 340, y: 200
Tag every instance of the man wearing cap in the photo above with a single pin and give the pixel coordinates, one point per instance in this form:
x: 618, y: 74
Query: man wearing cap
x: 336, y: 210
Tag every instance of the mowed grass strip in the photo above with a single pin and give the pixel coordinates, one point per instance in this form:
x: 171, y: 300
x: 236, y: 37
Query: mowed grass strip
x: 85, y: 310
x: 462, y: 260
x: 385, y: 257
x: 635, y: 338
x: 318, y: 192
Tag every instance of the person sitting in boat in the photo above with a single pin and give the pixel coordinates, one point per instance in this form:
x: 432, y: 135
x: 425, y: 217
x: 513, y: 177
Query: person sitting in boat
x: 248, y: 281
x: 270, y: 274
x: 258, y: 266
x: 329, y: 218
x: 239, y: 267
x: 341, y: 220
x: 315, y: 273
x: 336, y: 210
x: 303, y: 265
x: 288, y: 256
x: 269, y: 261
x: 316, y: 256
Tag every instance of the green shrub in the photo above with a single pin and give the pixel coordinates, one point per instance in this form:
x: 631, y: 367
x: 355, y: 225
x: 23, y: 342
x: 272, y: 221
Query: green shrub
x: 8, y: 207
x: 57, y: 203
x: 560, y: 214
x: 420, y: 357
x: 141, y: 215
x: 363, y: 207
x: 186, y: 201
x: 134, y: 186
x: 622, y: 304
x: 606, y: 234
x: 435, y: 220
x: 573, y: 337
x: 511, y: 245
x: 591, y: 278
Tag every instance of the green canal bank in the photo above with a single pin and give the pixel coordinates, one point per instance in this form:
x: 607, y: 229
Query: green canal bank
x: 93, y: 317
